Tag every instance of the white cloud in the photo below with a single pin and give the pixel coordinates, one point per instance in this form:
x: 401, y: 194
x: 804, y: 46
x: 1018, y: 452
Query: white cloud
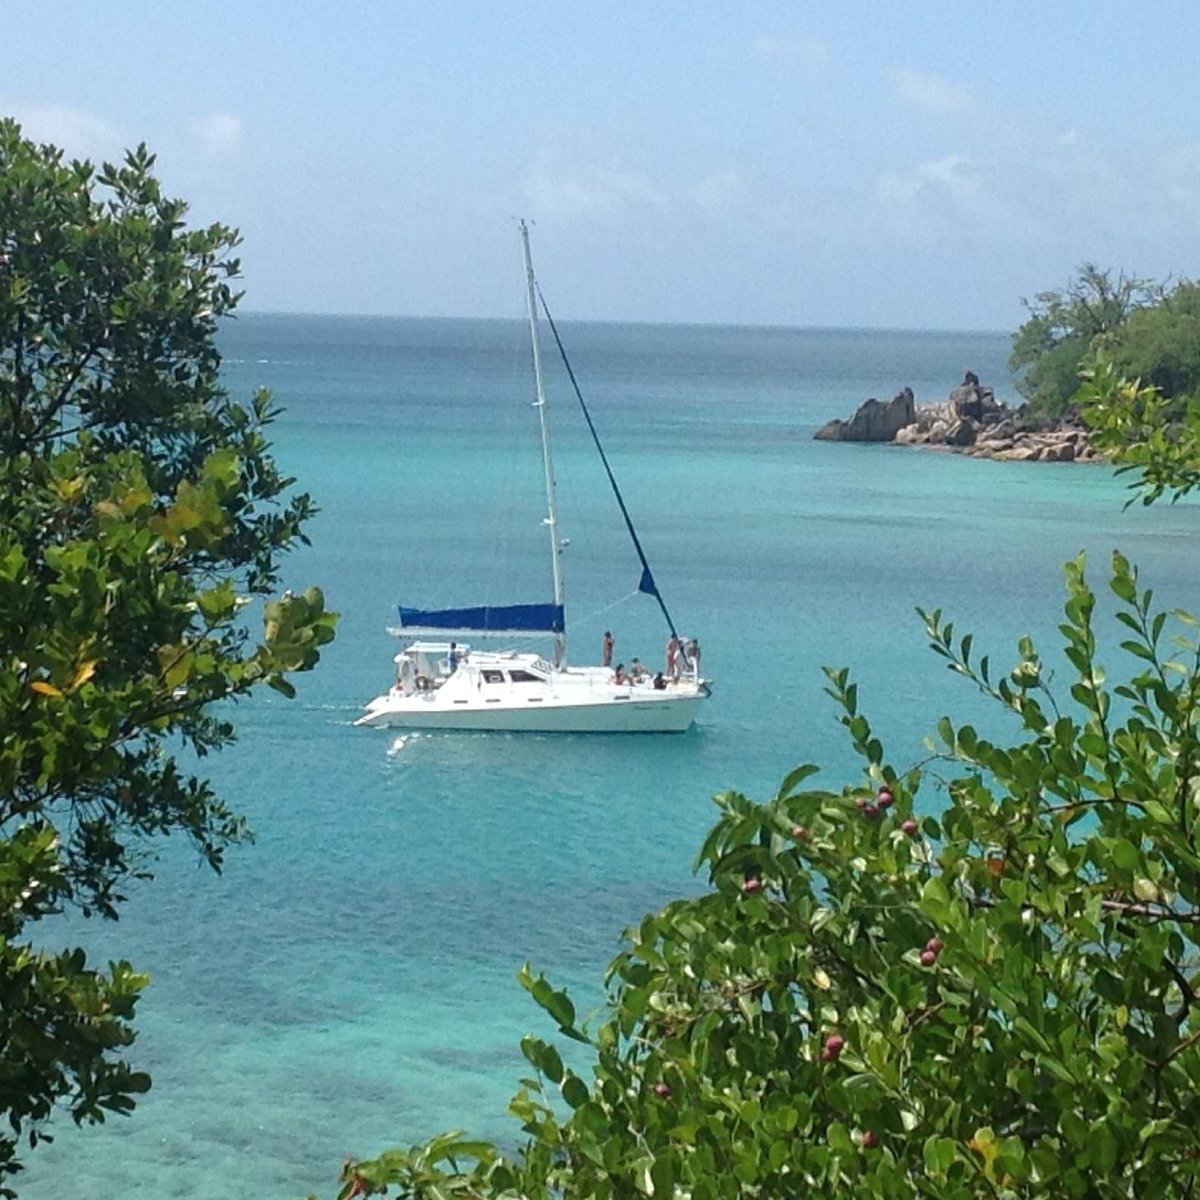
x: 588, y: 191
x: 80, y: 134
x: 806, y: 51
x: 217, y: 135
x: 931, y: 93
x: 953, y: 176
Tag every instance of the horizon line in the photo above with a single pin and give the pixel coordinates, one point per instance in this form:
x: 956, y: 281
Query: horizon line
x: 766, y: 325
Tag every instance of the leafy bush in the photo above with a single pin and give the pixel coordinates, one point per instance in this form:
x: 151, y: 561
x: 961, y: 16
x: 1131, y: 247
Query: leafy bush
x: 140, y: 510
x: 974, y: 977
x: 1160, y: 345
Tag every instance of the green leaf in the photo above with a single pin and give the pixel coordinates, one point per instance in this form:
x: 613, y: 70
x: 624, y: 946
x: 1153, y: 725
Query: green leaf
x: 556, y: 1003
x: 574, y: 1090
x: 837, y: 1137
x: 794, y: 778
x: 543, y: 1057
x: 1125, y: 854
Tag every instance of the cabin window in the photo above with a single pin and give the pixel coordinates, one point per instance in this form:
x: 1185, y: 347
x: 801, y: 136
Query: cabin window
x: 524, y: 677
x: 493, y: 676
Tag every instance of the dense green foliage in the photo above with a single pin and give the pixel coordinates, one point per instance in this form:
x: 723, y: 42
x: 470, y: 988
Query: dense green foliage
x: 1160, y: 345
x: 1147, y: 331
x: 140, y: 510
x: 1065, y: 327
x: 975, y: 977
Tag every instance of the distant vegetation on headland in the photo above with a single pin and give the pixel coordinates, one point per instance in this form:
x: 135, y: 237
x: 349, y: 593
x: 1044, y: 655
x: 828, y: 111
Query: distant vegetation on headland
x: 1145, y: 330
x: 1135, y: 333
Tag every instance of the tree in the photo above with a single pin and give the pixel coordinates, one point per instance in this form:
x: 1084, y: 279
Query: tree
x: 991, y: 991
x: 1064, y: 327
x: 140, y: 511
x: 1160, y: 345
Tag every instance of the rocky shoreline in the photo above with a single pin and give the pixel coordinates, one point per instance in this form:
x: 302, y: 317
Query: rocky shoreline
x: 971, y: 421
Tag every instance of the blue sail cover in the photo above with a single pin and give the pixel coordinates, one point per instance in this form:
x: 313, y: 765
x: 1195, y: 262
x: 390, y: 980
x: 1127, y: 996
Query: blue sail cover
x: 509, y: 618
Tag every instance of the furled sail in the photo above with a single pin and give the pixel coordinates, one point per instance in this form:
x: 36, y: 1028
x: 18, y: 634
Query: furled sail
x: 508, y: 618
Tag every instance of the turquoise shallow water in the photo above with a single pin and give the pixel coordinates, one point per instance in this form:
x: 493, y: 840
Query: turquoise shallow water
x: 348, y: 984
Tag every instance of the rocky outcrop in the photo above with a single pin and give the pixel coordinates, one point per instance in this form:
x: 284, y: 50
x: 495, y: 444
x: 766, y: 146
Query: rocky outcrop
x: 1063, y: 443
x: 874, y: 421
x: 971, y: 421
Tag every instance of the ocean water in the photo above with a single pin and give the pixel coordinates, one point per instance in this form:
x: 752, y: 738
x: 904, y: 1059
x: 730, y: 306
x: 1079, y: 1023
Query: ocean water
x: 348, y: 983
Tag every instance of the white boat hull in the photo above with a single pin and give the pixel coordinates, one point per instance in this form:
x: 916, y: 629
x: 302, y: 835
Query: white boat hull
x: 673, y: 716
x: 581, y: 700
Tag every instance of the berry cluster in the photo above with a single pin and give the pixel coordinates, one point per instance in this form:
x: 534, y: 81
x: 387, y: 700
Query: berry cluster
x: 875, y: 807
x: 929, y: 955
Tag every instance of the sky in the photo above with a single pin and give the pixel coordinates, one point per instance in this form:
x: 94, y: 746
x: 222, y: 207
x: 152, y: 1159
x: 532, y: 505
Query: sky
x: 902, y: 165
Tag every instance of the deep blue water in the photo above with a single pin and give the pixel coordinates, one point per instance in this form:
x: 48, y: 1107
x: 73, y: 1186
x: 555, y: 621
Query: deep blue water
x: 348, y: 983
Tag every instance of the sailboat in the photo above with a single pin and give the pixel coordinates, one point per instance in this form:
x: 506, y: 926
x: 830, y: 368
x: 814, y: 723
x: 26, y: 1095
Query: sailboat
x: 452, y: 684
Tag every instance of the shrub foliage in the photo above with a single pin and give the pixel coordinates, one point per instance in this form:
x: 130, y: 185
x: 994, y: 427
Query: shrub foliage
x: 140, y: 510
x: 976, y: 977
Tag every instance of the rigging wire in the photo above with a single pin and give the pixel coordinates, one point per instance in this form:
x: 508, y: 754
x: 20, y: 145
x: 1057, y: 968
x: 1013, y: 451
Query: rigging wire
x: 599, y: 612
x: 647, y: 584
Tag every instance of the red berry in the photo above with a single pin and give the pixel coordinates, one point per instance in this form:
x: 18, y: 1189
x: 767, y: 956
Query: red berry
x: 909, y: 826
x: 662, y: 1090
x: 885, y: 799
x: 834, y: 1044
x: 752, y: 885
x: 928, y: 958
x: 870, y: 811
x: 800, y: 833
x: 934, y: 944
x: 870, y: 1140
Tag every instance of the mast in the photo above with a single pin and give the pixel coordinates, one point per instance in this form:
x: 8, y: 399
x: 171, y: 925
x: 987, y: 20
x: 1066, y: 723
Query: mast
x: 551, y: 518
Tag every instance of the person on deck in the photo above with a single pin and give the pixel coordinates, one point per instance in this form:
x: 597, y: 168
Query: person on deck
x: 637, y: 672
x: 673, y: 658
x: 606, y: 650
x: 452, y: 658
